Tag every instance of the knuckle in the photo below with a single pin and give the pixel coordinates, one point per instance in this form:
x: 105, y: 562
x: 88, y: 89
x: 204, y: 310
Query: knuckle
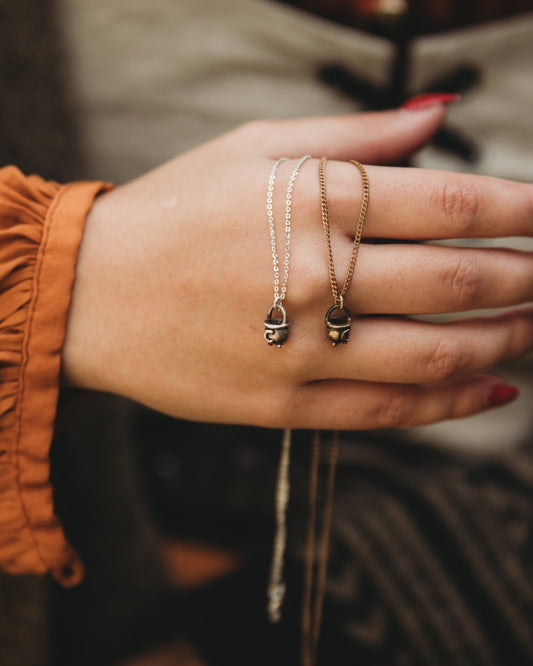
x: 253, y: 129
x: 445, y: 361
x: 276, y: 407
x: 396, y: 412
x: 460, y: 201
x: 465, y: 283
x: 289, y: 404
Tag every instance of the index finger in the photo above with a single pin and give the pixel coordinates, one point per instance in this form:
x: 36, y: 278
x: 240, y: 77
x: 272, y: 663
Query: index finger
x: 420, y: 204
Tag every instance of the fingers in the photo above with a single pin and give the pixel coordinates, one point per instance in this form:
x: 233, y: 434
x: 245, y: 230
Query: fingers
x: 419, y: 204
x: 405, y: 351
x: 375, y: 138
x: 345, y: 405
x: 428, y: 279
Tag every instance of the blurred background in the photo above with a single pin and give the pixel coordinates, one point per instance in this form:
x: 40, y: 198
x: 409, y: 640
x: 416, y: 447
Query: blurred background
x: 432, y: 555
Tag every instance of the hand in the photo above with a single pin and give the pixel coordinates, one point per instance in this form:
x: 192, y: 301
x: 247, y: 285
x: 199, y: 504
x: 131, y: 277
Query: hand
x: 175, y: 278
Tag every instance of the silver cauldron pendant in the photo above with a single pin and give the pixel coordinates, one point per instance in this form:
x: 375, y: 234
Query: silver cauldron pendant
x: 338, y: 327
x: 276, y: 328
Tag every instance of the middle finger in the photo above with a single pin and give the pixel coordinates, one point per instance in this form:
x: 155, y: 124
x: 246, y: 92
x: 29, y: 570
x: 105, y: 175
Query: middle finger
x: 404, y: 351
x: 429, y: 279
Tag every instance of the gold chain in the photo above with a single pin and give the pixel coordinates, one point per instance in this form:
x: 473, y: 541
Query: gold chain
x: 339, y: 297
x: 312, y: 617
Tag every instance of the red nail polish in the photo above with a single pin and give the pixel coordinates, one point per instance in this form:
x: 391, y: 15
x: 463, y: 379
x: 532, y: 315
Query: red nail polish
x: 500, y: 395
x: 421, y: 102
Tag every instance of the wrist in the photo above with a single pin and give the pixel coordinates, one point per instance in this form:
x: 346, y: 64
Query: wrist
x: 85, y: 329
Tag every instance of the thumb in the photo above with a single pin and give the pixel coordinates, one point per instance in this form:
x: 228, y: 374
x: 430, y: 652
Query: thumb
x: 374, y: 138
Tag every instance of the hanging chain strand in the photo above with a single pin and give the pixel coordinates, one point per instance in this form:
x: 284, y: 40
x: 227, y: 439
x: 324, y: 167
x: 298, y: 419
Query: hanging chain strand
x: 281, y: 291
x: 312, y: 616
x: 339, y: 297
x: 309, y: 556
x: 323, y: 555
x: 270, y: 215
x: 276, y: 586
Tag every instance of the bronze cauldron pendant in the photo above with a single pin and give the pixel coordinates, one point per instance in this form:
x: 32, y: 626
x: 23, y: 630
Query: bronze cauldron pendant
x: 338, y: 326
x: 276, y: 328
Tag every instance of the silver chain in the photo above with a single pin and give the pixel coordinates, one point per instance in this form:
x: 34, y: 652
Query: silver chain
x: 279, y: 293
x: 276, y: 585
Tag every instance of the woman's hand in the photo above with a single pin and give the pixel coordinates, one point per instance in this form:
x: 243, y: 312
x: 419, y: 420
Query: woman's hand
x: 175, y: 279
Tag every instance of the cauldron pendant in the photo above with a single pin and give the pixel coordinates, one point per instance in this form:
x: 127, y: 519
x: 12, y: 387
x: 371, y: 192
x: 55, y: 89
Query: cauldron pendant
x: 338, y: 327
x: 276, y: 328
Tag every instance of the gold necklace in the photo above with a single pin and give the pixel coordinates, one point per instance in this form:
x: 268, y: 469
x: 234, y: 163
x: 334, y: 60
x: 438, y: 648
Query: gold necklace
x: 338, y: 327
x: 312, y: 606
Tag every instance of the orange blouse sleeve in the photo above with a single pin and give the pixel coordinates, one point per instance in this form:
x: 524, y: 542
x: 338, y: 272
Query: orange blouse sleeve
x: 41, y: 224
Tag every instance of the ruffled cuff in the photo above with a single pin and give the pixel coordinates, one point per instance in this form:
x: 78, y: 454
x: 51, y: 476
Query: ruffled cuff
x: 41, y: 225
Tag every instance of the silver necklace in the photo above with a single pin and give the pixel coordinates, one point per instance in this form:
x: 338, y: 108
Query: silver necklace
x: 277, y: 328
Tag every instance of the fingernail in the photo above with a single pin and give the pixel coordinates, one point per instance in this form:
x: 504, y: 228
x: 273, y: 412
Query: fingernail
x: 421, y: 102
x: 500, y: 395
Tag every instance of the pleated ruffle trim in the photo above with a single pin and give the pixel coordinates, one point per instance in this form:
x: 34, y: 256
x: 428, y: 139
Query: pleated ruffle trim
x: 41, y: 224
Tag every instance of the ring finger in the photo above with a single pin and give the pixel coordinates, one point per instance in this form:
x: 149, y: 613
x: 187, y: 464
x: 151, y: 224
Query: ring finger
x: 426, y: 279
x: 405, y: 351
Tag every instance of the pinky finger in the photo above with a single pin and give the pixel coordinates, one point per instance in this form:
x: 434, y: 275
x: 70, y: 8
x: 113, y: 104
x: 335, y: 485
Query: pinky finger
x: 352, y: 405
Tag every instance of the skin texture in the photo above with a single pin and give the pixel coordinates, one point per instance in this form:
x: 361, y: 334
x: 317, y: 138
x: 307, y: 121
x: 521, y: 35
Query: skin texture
x: 175, y: 278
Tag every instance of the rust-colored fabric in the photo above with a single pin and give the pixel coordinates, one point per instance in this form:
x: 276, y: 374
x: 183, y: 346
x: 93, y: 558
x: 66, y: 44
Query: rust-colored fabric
x: 41, y: 224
